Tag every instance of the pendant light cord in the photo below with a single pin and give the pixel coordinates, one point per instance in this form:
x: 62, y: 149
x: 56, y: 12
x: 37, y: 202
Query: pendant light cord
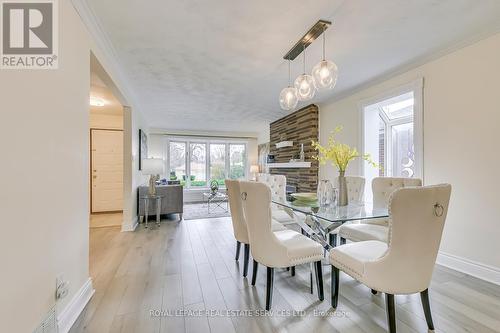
x: 304, y: 62
x: 289, y: 74
x: 324, y: 42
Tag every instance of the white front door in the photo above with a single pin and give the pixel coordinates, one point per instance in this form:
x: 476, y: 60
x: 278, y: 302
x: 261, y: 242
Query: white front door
x: 107, y: 170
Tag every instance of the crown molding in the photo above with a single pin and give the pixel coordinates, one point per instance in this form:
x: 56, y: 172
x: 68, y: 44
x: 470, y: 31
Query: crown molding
x: 413, y: 64
x: 105, y: 52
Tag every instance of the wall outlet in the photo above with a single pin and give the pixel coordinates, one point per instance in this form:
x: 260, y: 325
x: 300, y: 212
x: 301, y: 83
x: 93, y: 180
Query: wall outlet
x: 62, y: 287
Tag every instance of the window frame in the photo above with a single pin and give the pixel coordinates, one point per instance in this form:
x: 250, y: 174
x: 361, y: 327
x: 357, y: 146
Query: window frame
x: 207, y: 141
x: 415, y: 86
x: 388, y: 140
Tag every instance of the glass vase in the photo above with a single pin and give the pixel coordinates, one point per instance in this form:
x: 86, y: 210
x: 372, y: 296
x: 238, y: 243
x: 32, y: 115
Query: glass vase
x: 325, y: 193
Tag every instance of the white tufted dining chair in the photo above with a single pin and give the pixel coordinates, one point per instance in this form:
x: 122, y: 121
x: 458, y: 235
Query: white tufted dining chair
x: 238, y: 221
x: 355, y: 187
x: 286, y: 248
x: 405, y: 263
x: 376, y: 229
x: 277, y: 184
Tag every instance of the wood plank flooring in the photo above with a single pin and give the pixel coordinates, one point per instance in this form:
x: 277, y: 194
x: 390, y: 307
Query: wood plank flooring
x: 101, y: 220
x: 190, y: 266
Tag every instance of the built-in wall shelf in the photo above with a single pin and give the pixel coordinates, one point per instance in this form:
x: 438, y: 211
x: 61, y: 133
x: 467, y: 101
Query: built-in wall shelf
x: 290, y: 165
x: 284, y: 144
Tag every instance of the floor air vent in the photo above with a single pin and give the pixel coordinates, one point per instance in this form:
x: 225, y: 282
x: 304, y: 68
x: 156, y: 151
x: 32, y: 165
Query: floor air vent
x: 49, y: 324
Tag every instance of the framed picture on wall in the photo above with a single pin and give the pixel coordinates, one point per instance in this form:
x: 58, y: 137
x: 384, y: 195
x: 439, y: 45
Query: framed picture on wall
x: 143, y: 147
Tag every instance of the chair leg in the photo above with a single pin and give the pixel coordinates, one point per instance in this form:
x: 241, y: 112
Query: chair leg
x: 293, y: 271
x: 238, y: 247
x: 269, y: 288
x: 318, y: 269
x: 311, y: 283
x: 245, y: 263
x: 332, y: 240
x: 374, y: 292
x: 335, y: 287
x: 342, y: 240
x: 254, y: 272
x: 424, y: 296
x: 391, y: 312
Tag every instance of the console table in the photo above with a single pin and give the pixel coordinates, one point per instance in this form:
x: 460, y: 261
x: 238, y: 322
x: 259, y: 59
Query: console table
x: 170, y: 203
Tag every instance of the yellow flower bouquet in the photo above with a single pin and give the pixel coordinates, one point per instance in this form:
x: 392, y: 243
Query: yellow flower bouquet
x: 339, y: 155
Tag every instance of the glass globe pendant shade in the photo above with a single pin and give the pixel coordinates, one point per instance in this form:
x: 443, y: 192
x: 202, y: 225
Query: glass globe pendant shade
x: 288, y: 98
x: 325, y: 74
x: 304, y: 84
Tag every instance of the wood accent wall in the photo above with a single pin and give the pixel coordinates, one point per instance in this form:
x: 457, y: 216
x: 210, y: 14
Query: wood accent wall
x: 302, y: 126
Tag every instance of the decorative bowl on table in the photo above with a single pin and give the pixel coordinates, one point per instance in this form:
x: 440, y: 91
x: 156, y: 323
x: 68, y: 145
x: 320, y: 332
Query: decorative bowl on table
x: 306, y: 199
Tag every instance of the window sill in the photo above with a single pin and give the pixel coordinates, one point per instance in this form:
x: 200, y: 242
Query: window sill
x: 200, y: 189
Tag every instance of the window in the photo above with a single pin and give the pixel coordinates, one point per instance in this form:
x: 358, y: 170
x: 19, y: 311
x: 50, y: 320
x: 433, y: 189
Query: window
x: 218, y: 162
x: 196, y: 162
x: 177, y: 155
x: 237, y: 161
x: 392, y: 134
x: 396, y: 146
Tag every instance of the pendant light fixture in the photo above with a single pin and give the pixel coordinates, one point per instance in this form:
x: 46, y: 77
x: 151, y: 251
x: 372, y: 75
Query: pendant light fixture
x: 304, y: 83
x: 288, y: 96
x: 325, y: 72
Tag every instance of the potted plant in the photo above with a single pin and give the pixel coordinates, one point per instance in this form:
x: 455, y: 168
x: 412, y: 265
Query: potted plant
x: 339, y: 155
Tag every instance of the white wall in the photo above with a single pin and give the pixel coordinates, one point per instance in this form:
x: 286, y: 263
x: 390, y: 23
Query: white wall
x: 44, y: 126
x: 133, y: 178
x: 461, y: 147
x: 264, y: 136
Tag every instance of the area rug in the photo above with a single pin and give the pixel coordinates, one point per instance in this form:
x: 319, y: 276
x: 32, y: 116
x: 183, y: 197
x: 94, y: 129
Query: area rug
x: 193, y: 211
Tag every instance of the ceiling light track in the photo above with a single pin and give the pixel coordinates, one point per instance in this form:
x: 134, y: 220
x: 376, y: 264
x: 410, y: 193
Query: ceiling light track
x: 324, y: 74
x: 306, y: 40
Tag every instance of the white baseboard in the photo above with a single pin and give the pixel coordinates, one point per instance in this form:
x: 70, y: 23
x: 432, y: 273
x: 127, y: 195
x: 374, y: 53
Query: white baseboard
x: 67, y: 317
x: 476, y: 269
x: 132, y: 226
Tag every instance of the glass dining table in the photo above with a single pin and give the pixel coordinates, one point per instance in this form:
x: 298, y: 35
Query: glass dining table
x: 319, y: 222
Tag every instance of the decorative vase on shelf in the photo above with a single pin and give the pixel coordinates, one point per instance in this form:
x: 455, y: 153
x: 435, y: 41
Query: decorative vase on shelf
x: 302, y: 154
x: 343, y: 200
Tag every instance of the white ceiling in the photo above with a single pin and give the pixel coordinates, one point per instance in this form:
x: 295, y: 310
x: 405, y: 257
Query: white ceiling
x: 217, y: 65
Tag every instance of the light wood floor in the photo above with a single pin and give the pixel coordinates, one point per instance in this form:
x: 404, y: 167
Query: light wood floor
x: 190, y: 265
x: 106, y: 220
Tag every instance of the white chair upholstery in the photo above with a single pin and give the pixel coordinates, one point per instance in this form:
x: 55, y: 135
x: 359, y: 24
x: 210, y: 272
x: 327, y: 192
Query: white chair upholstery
x: 275, y: 249
x: 405, y: 263
x: 239, y: 223
x: 277, y: 185
x: 377, y: 229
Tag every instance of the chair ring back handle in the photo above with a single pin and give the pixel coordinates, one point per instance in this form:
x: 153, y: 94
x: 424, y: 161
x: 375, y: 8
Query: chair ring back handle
x: 438, y: 210
x: 244, y: 196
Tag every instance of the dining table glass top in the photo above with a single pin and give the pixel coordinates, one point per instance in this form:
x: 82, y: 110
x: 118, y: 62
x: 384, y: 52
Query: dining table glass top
x: 333, y: 213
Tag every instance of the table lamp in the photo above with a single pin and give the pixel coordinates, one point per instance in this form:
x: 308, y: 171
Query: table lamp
x: 254, y: 169
x: 152, y: 167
